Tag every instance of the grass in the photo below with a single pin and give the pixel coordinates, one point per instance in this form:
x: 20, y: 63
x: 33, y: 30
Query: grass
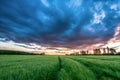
x: 72, y: 70
x: 38, y: 67
x: 27, y: 67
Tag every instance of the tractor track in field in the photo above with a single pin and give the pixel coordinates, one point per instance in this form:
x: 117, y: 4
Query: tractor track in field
x: 56, y: 70
x: 59, y: 67
x: 60, y: 63
x: 98, y: 73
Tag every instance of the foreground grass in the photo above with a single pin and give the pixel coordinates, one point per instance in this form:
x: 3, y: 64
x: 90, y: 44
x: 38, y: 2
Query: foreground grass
x: 36, y: 67
x: 104, y: 67
x: 28, y: 67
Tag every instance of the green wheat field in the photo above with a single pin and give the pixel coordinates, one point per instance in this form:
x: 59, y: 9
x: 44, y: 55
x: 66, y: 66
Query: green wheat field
x: 42, y: 67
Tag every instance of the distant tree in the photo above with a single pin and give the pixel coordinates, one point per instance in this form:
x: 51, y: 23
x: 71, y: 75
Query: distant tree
x: 97, y: 51
x: 83, y: 52
x: 118, y: 53
x: 112, y: 51
x: 42, y: 53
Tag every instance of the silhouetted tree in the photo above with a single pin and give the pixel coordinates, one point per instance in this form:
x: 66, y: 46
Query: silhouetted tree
x: 112, y: 51
x: 97, y: 51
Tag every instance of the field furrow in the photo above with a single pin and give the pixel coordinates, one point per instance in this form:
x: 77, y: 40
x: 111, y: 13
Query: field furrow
x: 102, y: 69
x: 72, y: 70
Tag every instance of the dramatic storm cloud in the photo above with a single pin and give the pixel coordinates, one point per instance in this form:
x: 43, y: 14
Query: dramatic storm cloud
x: 59, y: 23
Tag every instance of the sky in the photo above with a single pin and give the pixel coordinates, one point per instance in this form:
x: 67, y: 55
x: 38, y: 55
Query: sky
x: 59, y: 25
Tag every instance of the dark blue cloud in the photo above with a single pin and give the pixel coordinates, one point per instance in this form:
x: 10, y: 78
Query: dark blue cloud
x: 59, y: 22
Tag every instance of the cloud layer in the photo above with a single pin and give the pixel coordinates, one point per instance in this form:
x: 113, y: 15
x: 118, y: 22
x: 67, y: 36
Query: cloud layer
x: 59, y: 23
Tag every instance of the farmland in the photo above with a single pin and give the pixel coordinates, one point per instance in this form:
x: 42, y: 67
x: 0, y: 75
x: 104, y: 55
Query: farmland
x: 38, y: 67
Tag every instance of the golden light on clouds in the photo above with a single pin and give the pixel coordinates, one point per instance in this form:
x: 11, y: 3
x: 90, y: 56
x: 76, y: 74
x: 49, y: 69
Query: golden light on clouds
x: 116, y: 36
x: 115, y: 41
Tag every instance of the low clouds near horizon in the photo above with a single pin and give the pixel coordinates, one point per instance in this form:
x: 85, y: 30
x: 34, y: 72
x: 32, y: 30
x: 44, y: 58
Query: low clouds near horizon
x: 59, y: 23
